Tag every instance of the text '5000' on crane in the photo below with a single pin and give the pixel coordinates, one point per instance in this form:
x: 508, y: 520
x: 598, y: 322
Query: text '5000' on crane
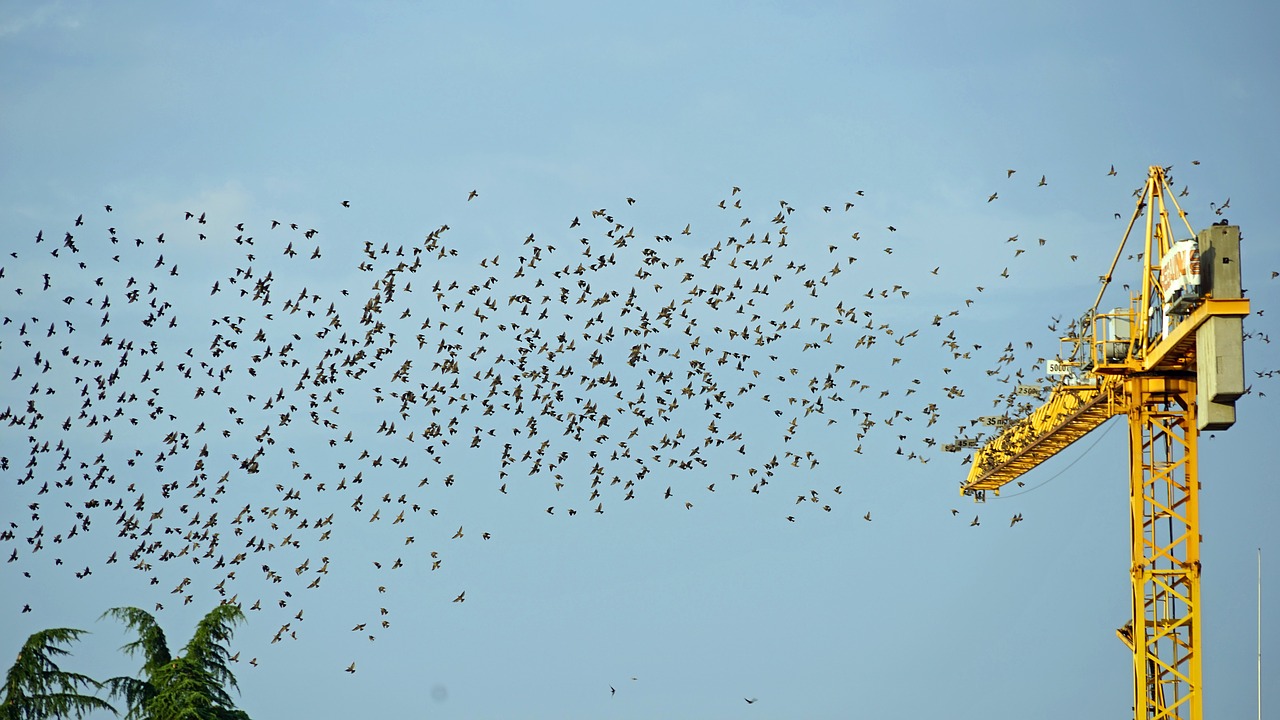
x: 1173, y: 362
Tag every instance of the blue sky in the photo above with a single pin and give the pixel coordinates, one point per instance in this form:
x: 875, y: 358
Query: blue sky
x: 914, y: 113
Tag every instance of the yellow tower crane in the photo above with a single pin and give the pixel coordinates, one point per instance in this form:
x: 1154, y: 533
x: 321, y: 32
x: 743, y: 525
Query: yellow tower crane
x: 1173, y: 363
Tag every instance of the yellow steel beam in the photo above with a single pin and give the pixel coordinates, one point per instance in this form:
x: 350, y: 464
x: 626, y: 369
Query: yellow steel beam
x: 1177, y: 350
x: 1164, y: 521
x: 1070, y: 413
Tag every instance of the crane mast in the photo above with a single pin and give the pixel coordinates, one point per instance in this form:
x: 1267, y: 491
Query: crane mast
x: 1172, y: 363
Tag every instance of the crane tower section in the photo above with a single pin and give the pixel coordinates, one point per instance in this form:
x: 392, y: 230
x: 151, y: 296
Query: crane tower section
x: 1172, y: 362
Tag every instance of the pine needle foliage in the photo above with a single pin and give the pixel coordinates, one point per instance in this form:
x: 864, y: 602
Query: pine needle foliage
x: 190, y: 686
x: 35, y: 688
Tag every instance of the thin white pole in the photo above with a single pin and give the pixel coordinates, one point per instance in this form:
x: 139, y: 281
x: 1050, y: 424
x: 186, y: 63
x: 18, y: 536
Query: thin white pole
x: 1259, y: 633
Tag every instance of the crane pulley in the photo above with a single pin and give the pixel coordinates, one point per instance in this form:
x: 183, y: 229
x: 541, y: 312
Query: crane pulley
x: 1172, y: 362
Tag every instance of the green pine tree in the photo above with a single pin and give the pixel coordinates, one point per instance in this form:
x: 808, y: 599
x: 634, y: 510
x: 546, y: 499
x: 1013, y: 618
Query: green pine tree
x: 35, y: 687
x: 192, y: 685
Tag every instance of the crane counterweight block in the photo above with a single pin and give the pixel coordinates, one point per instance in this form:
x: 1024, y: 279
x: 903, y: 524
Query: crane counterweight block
x: 1220, y: 340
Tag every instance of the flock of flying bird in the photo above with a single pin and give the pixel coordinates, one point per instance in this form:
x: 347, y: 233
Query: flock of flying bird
x: 227, y: 417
